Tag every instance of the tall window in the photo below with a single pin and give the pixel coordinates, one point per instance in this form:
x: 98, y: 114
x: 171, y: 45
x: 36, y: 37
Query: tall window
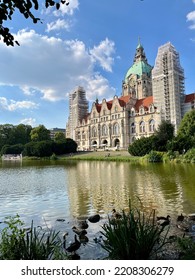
x: 142, y: 127
x: 94, y: 132
x: 151, y: 109
x: 133, y: 128
x: 104, y: 130
x: 116, y: 129
x: 151, y: 125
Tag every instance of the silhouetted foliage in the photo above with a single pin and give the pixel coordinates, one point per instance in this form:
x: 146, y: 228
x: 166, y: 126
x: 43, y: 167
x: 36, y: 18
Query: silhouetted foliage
x: 64, y: 147
x: 12, y: 149
x: 38, y: 149
x: 164, y: 133
x: 25, y: 8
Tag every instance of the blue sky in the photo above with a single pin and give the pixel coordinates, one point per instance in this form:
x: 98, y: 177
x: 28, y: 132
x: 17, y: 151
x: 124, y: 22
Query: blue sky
x: 90, y: 43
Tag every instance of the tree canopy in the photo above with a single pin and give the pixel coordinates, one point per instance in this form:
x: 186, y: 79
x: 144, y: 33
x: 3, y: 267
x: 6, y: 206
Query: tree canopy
x: 27, y: 9
x: 40, y: 133
x: 187, y: 125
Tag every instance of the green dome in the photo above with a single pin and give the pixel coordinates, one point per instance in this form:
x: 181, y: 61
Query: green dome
x: 139, y: 68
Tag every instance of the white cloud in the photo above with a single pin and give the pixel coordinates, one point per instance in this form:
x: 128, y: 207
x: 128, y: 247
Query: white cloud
x: 54, y: 67
x: 103, y: 54
x: 67, y: 10
x: 98, y: 86
x: 12, y: 105
x: 29, y: 121
x: 59, y: 24
x: 191, y: 17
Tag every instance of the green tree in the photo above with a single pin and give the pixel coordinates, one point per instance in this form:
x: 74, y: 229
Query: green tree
x: 38, y: 149
x: 185, y: 138
x: 164, y: 133
x: 26, y: 8
x: 12, y: 149
x: 142, y: 146
x: 40, y: 133
x: 7, y: 135
x: 59, y: 137
x: 65, y: 147
x: 187, y: 125
x: 22, y: 133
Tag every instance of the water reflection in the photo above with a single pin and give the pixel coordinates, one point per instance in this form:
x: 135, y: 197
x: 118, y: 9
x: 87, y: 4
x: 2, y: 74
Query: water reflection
x: 49, y: 190
x: 100, y: 186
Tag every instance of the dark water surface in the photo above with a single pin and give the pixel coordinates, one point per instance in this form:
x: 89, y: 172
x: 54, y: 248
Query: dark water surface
x: 46, y: 191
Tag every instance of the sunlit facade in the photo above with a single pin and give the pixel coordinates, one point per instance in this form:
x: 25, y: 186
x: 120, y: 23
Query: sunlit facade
x: 137, y: 113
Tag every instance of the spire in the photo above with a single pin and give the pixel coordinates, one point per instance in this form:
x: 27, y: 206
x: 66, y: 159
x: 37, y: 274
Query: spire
x: 139, y: 44
x: 140, y: 54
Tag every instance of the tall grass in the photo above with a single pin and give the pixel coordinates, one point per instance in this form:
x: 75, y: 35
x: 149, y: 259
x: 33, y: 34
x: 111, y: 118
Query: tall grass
x: 135, y: 236
x: 17, y: 243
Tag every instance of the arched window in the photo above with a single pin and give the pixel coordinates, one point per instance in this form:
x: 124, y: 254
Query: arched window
x: 151, y: 109
x: 142, y: 127
x: 141, y: 110
x: 151, y: 125
x: 104, y: 130
x: 94, y: 132
x: 116, y: 129
x: 133, y: 128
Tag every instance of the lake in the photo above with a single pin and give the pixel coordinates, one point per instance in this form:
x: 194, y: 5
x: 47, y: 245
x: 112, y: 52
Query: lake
x: 44, y: 191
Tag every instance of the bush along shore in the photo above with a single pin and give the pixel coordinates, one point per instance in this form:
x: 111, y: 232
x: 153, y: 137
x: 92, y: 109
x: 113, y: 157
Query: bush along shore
x: 126, y: 235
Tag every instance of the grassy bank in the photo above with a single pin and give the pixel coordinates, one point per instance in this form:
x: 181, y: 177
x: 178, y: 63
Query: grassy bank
x: 103, y: 156
x: 119, y: 156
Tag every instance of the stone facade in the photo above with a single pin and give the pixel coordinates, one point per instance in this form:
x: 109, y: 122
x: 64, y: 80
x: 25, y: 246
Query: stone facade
x: 116, y: 123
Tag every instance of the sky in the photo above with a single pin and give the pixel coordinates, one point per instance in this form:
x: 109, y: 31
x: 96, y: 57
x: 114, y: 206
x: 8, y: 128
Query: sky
x: 89, y: 43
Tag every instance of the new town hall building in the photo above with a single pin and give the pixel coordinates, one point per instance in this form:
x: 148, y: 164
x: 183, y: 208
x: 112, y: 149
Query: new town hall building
x: 149, y: 95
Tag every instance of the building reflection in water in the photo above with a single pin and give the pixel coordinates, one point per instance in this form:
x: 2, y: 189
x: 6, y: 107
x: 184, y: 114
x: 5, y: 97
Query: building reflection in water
x: 95, y: 186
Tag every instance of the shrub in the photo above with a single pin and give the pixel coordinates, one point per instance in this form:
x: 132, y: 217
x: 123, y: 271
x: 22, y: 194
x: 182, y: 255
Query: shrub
x: 190, y: 155
x: 141, y: 146
x: 155, y: 156
x: 12, y: 149
x: 187, y: 248
x: 133, y: 237
x: 39, y: 149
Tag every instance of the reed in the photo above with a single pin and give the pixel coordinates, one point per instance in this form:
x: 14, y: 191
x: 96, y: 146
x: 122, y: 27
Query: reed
x: 133, y: 237
x: 34, y: 243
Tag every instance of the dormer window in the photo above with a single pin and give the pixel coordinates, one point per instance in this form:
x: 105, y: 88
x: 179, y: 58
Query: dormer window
x: 132, y: 112
x: 151, y: 109
x: 141, y: 111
